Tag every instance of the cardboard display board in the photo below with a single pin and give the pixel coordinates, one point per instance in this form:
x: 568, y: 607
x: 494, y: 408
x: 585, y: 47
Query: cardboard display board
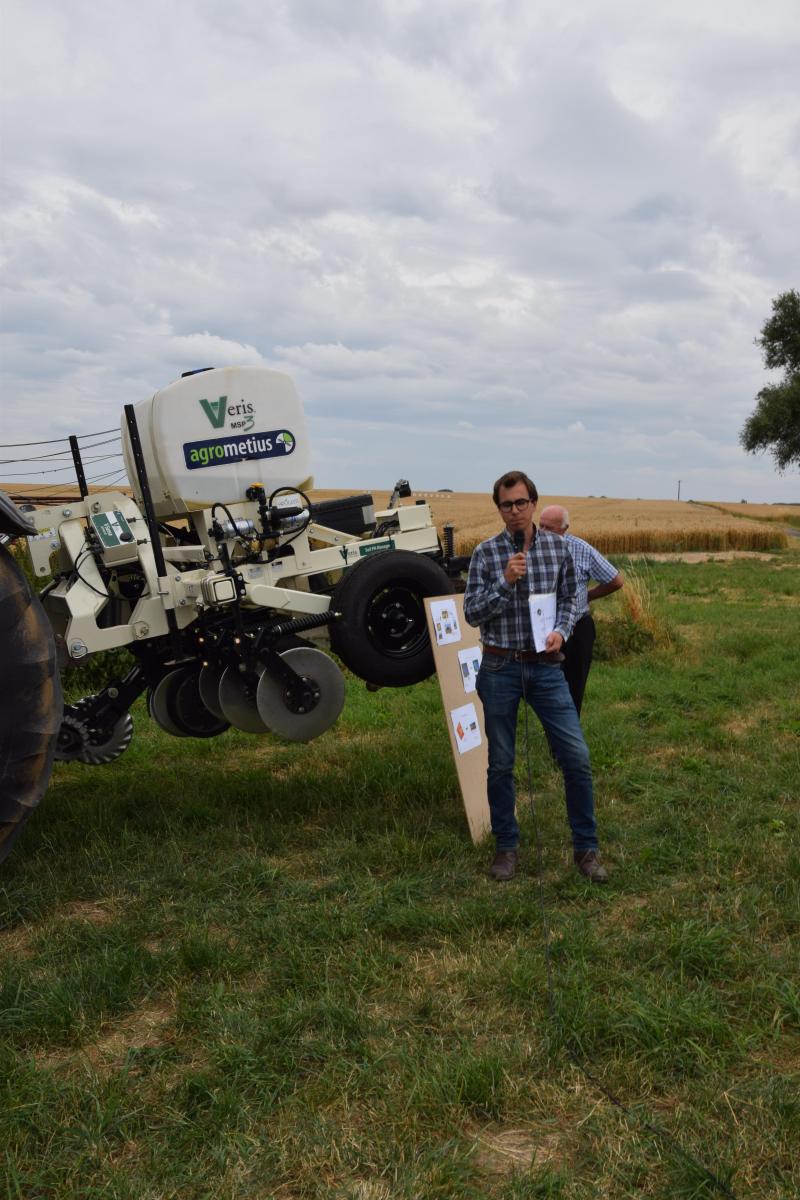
x: 457, y: 655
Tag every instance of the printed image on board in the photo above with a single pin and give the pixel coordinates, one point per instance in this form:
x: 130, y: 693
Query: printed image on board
x: 445, y: 622
x: 470, y: 661
x: 465, y: 727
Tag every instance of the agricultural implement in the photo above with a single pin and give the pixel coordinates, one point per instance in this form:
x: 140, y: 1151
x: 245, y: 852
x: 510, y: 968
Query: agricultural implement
x: 224, y: 581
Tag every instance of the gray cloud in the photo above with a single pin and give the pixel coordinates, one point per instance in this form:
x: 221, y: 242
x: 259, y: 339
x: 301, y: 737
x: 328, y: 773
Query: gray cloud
x: 474, y: 232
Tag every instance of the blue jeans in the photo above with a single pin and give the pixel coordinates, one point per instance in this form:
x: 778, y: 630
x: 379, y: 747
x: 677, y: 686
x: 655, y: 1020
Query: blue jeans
x: 500, y: 686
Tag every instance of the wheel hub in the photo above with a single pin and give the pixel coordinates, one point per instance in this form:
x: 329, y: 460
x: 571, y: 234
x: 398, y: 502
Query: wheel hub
x: 396, y: 620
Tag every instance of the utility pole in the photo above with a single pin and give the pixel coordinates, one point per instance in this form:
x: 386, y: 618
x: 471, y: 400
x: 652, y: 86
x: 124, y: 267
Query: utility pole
x: 679, y: 489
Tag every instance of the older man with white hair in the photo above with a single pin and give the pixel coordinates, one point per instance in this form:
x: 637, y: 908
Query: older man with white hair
x: 589, y: 564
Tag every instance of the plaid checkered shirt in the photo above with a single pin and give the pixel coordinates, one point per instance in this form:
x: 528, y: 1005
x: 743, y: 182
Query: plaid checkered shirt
x: 589, y: 564
x: 501, y: 609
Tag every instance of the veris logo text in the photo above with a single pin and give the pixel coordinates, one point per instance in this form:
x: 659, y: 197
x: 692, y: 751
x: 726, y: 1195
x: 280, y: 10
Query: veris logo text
x: 241, y: 414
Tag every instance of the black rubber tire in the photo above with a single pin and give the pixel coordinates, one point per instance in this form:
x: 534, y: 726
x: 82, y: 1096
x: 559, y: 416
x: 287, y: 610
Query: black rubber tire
x: 383, y: 635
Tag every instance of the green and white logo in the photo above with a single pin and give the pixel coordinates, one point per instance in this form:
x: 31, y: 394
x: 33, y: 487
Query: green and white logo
x: 241, y: 414
x: 286, y: 440
x: 215, y: 411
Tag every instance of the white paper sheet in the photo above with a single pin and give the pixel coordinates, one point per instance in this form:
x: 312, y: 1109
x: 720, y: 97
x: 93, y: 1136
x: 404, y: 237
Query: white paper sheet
x: 543, y: 617
x: 445, y: 622
x: 465, y: 727
x: 469, y: 661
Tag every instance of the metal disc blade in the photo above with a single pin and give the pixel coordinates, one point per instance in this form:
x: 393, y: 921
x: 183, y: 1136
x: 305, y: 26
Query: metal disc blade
x: 238, y: 703
x: 189, y: 711
x: 210, y: 678
x: 302, y: 727
x: 106, y: 750
x: 159, y: 702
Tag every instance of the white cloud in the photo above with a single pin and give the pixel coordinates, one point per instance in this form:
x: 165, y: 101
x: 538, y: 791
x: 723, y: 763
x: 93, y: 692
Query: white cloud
x: 340, y: 362
x: 466, y: 224
x: 211, y: 350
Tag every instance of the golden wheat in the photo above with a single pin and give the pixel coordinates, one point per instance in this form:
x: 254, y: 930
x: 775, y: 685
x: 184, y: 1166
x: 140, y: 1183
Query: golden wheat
x: 638, y: 601
x: 613, y: 526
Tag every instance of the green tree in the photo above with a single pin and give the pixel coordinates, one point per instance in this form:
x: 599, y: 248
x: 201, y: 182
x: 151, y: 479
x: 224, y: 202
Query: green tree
x: 775, y: 423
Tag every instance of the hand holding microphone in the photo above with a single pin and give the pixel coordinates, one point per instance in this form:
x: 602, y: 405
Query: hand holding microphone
x: 517, y: 565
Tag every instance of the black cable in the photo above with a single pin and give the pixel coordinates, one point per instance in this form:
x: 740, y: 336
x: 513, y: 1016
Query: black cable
x: 94, y: 445
x: 44, y: 490
x: 230, y: 516
x: 295, y: 492
x: 58, y: 453
x: 76, y: 568
x: 105, y: 474
x: 27, y: 474
x: 52, y: 441
x: 575, y: 1058
x: 292, y: 490
x: 51, y: 471
x: 97, y: 458
x: 36, y: 457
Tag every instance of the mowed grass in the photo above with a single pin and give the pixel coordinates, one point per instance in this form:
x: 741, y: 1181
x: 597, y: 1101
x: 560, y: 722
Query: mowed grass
x: 241, y: 968
x: 615, y: 526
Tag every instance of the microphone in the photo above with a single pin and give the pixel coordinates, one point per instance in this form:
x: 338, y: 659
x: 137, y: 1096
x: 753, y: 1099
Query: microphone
x: 519, y: 541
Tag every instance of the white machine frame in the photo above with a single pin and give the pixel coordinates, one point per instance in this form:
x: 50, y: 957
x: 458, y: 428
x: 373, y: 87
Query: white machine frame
x: 224, y: 606
x: 74, y: 604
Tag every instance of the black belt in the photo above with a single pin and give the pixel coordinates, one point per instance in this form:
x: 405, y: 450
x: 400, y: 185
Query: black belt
x: 551, y: 656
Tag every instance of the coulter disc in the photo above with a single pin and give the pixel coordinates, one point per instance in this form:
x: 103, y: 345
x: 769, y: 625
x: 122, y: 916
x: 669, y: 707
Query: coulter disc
x: 273, y: 701
x: 238, y: 703
x: 159, y: 701
x: 190, y: 713
x: 209, y: 682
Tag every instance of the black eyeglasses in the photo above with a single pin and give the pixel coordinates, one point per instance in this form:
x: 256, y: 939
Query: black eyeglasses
x: 507, y: 505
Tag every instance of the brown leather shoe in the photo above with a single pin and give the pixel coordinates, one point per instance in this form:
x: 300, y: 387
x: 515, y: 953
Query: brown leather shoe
x: 504, y: 865
x: 589, y: 865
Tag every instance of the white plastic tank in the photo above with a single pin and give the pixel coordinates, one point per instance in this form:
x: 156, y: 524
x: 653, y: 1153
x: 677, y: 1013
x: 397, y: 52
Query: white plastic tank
x: 208, y: 436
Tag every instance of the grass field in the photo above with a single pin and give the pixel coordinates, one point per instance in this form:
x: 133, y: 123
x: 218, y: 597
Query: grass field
x: 244, y: 969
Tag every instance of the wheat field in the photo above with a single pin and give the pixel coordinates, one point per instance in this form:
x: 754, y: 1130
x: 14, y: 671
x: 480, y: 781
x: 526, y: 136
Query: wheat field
x: 613, y: 526
x: 787, y: 514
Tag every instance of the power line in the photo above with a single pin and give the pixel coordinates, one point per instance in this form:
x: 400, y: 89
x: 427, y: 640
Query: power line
x: 52, y: 441
x: 105, y: 475
x: 55, y: 470
x: 61, y: 453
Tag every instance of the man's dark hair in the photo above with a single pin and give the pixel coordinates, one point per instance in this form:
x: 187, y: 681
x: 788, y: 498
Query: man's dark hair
x: 511, y: 479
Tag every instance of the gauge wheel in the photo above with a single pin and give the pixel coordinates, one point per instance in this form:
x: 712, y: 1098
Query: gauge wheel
x: 382, y: 635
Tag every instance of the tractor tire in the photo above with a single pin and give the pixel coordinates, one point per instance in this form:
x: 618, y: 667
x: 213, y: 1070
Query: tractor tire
x: 382, y: 635
x: 31, y: 703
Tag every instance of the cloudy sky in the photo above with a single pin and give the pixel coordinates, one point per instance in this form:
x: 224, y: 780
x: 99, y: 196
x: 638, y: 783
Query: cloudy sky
x: 479, y: 234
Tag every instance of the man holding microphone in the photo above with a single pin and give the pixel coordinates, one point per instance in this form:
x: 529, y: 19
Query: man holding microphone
x: 504, y: 572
